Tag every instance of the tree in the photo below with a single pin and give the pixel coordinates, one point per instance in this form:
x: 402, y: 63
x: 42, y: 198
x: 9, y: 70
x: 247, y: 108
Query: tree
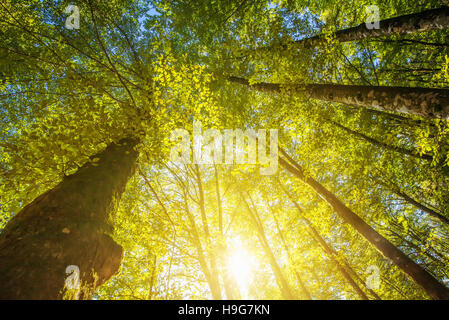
x: 364, y: 115
x: 426, y: 102
x: 417, y: 273
x: 424, y: 21
x: 68, y: 225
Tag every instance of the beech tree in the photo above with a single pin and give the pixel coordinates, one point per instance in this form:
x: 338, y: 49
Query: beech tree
x: 357, y: 209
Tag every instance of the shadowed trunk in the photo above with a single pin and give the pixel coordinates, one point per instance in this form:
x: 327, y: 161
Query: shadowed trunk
x: 431, y: 285
x: 331, y: 253
x: 290, y: 257
x: 68, y: 225
x: 425, y: 102
x: 425, y: 21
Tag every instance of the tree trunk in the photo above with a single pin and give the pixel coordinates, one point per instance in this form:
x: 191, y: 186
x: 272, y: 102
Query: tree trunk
x: 424, y: 102
x: 425, y: 21
x: 279, y: 276
x: 433, y: 288
x: 209, y: 244
x: 231, y: 289
x: 69, y: 225
x: 214, y: 285
x: 381, y: 144
x: 289, y: 256
x: 331, y: 253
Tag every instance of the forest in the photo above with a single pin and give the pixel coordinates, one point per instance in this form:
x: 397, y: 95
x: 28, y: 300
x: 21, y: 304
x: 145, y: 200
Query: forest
x: 224, y: 149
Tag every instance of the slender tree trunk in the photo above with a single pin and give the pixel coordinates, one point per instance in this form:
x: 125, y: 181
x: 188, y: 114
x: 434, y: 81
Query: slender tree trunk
x: 290, y: 258
x: 419, y: 249
x: 280, y: 279
x: 433, y: 288
x: 329, y: 251
x: 381, y: 144
x: 153, y: 266
x: 397, y: 191
x: 69, y: 225
x: 212, y: 281
x: 425, y: 102
x: 213, y: 285
x: 211, y: 249
x: 425, y: 21
x: 422, y: 207
x: 231, y: 289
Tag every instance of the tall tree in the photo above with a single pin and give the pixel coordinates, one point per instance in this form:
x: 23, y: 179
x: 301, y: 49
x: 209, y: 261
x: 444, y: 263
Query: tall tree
x: 277, y: 271
x: 69, y: 225
x: 424, y: 21
x: 329, y: 251
x: 434, y: 288
x: 425, y: 102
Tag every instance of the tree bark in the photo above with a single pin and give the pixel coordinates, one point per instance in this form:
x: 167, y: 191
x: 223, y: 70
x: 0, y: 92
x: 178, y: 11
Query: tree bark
x: 68, y: 225
x: 434, y: 289
x: 425, y: 21
x: 424, y: 102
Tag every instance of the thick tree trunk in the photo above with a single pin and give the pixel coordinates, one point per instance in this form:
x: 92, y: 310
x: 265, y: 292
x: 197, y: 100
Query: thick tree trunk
x: 433, y: 288
x: 68, y: 225
x: 425, y: 102
x: 425, y: 21
x: 428, y: 20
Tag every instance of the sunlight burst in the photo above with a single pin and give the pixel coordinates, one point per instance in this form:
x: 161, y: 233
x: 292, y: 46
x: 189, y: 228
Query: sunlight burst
x: 241, y: 264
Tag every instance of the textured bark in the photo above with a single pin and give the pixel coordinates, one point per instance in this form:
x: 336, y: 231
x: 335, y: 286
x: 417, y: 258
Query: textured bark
x: 425, y: 21
x: 434, y: 289
x: 68, y: 225
x: 428, y: 20
x: 425, y: 102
